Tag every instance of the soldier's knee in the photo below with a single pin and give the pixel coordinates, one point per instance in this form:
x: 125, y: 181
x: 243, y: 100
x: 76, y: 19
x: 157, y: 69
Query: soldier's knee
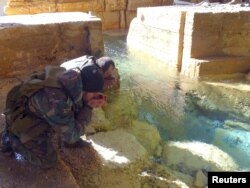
x: 44, y: 158
x: 45, y: 161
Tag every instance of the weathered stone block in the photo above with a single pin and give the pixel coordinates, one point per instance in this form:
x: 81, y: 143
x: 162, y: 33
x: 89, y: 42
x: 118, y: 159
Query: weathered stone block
x: 234, y: 142
x: 31, y: 7
x: 198, y: 41
x: 41, y: 9
x: 167, y: 2
x: 195, y: 68
x: 110, y: 20
x: 84, y: 6
x: 112, y: 5
x: 160, y: 38
x: 33, y: 41
x: 133, y: 5
x: 147, y: 135
x: 130, y: 15
x: 122, y: 20
x: 167, y: 18
x: 202, y: 34
x: 39, y: 6
x: 190, y: 157
x: 101, y: 6
x: 227, y: 36
x: 117, y: 153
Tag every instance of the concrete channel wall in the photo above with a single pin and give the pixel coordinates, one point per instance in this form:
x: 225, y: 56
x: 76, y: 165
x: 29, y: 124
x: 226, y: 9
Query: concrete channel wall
x: 49, y: 38
x: 115, y: 14
x: 28, y: 42
x: 197, y: 41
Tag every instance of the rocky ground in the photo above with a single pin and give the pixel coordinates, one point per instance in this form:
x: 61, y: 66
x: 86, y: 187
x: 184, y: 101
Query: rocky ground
x: 105, y: 163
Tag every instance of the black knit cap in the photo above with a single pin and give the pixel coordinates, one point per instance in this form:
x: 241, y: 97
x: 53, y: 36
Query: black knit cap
x: 92, y: 79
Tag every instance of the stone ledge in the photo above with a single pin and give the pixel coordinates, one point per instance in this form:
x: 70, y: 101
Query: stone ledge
x: 214, y: 66
x: 48, y: 18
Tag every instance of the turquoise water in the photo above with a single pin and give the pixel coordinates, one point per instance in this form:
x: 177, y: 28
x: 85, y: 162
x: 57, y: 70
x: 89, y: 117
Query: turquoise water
x: 183, y: 109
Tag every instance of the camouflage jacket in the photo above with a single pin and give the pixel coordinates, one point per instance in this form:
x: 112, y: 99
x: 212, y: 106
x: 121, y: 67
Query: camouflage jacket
x: 61, y: 108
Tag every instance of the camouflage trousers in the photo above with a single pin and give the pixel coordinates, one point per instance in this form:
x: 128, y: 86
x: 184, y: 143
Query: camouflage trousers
x: 38, y: 151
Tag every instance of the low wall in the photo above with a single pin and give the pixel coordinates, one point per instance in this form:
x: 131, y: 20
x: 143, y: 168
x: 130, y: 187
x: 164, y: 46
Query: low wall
x: 115, y: 14
x: 196, y: 40
x: 30, y: 41
x: 27, y: 43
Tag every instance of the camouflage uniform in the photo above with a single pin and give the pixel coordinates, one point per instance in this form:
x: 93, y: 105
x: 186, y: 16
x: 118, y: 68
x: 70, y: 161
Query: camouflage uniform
x: 47, y: 110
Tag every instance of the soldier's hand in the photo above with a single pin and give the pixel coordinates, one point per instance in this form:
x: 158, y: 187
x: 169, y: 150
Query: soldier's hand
x: 97, y: 101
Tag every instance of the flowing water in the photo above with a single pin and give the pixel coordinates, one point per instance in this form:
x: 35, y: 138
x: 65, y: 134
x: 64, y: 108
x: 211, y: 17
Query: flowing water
x: 183, y: 109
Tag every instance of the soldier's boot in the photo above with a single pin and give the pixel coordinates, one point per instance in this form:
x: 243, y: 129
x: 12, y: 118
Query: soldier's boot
x: 78, y: 144
x: 5, y: 144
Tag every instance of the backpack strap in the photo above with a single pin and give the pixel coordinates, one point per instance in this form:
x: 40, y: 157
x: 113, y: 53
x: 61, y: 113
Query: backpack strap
x: 39, y: 80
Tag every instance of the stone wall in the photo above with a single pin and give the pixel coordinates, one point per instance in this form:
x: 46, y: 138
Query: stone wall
x: 197, y: 41
x: 115, y: 14
x: 27, y: 43
x: 157, y: 30
x: 47, y: 39
x: 217, y: 41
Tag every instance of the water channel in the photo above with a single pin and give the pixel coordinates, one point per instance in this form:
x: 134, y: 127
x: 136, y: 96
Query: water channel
x: 183, y: 109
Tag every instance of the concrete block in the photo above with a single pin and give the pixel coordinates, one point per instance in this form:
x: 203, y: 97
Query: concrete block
x: 202, y: 34
x: 122, y: 20
x: 33, y: 41
x: 198, y: 41
x: 112, y: 150
x: 146, y: 134
x: 161, y: 39
x: 167, y: 2
x: 39, y: 6
x: 84, y: 6
x: 110, y: 19
x: 189, y: 157
x: 228, y: 35
x: 235, y: 143
x: 130, y: 15
x: 196, y: 68
x: 165, y: 18
x: 113, y: 5
x: 133, y: 5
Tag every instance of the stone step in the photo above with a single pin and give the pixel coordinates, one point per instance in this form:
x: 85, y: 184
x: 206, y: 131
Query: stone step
x: 194, y: 68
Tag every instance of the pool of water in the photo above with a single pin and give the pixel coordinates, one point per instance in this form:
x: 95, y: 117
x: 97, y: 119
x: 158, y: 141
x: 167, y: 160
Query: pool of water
x: 183, y: 109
